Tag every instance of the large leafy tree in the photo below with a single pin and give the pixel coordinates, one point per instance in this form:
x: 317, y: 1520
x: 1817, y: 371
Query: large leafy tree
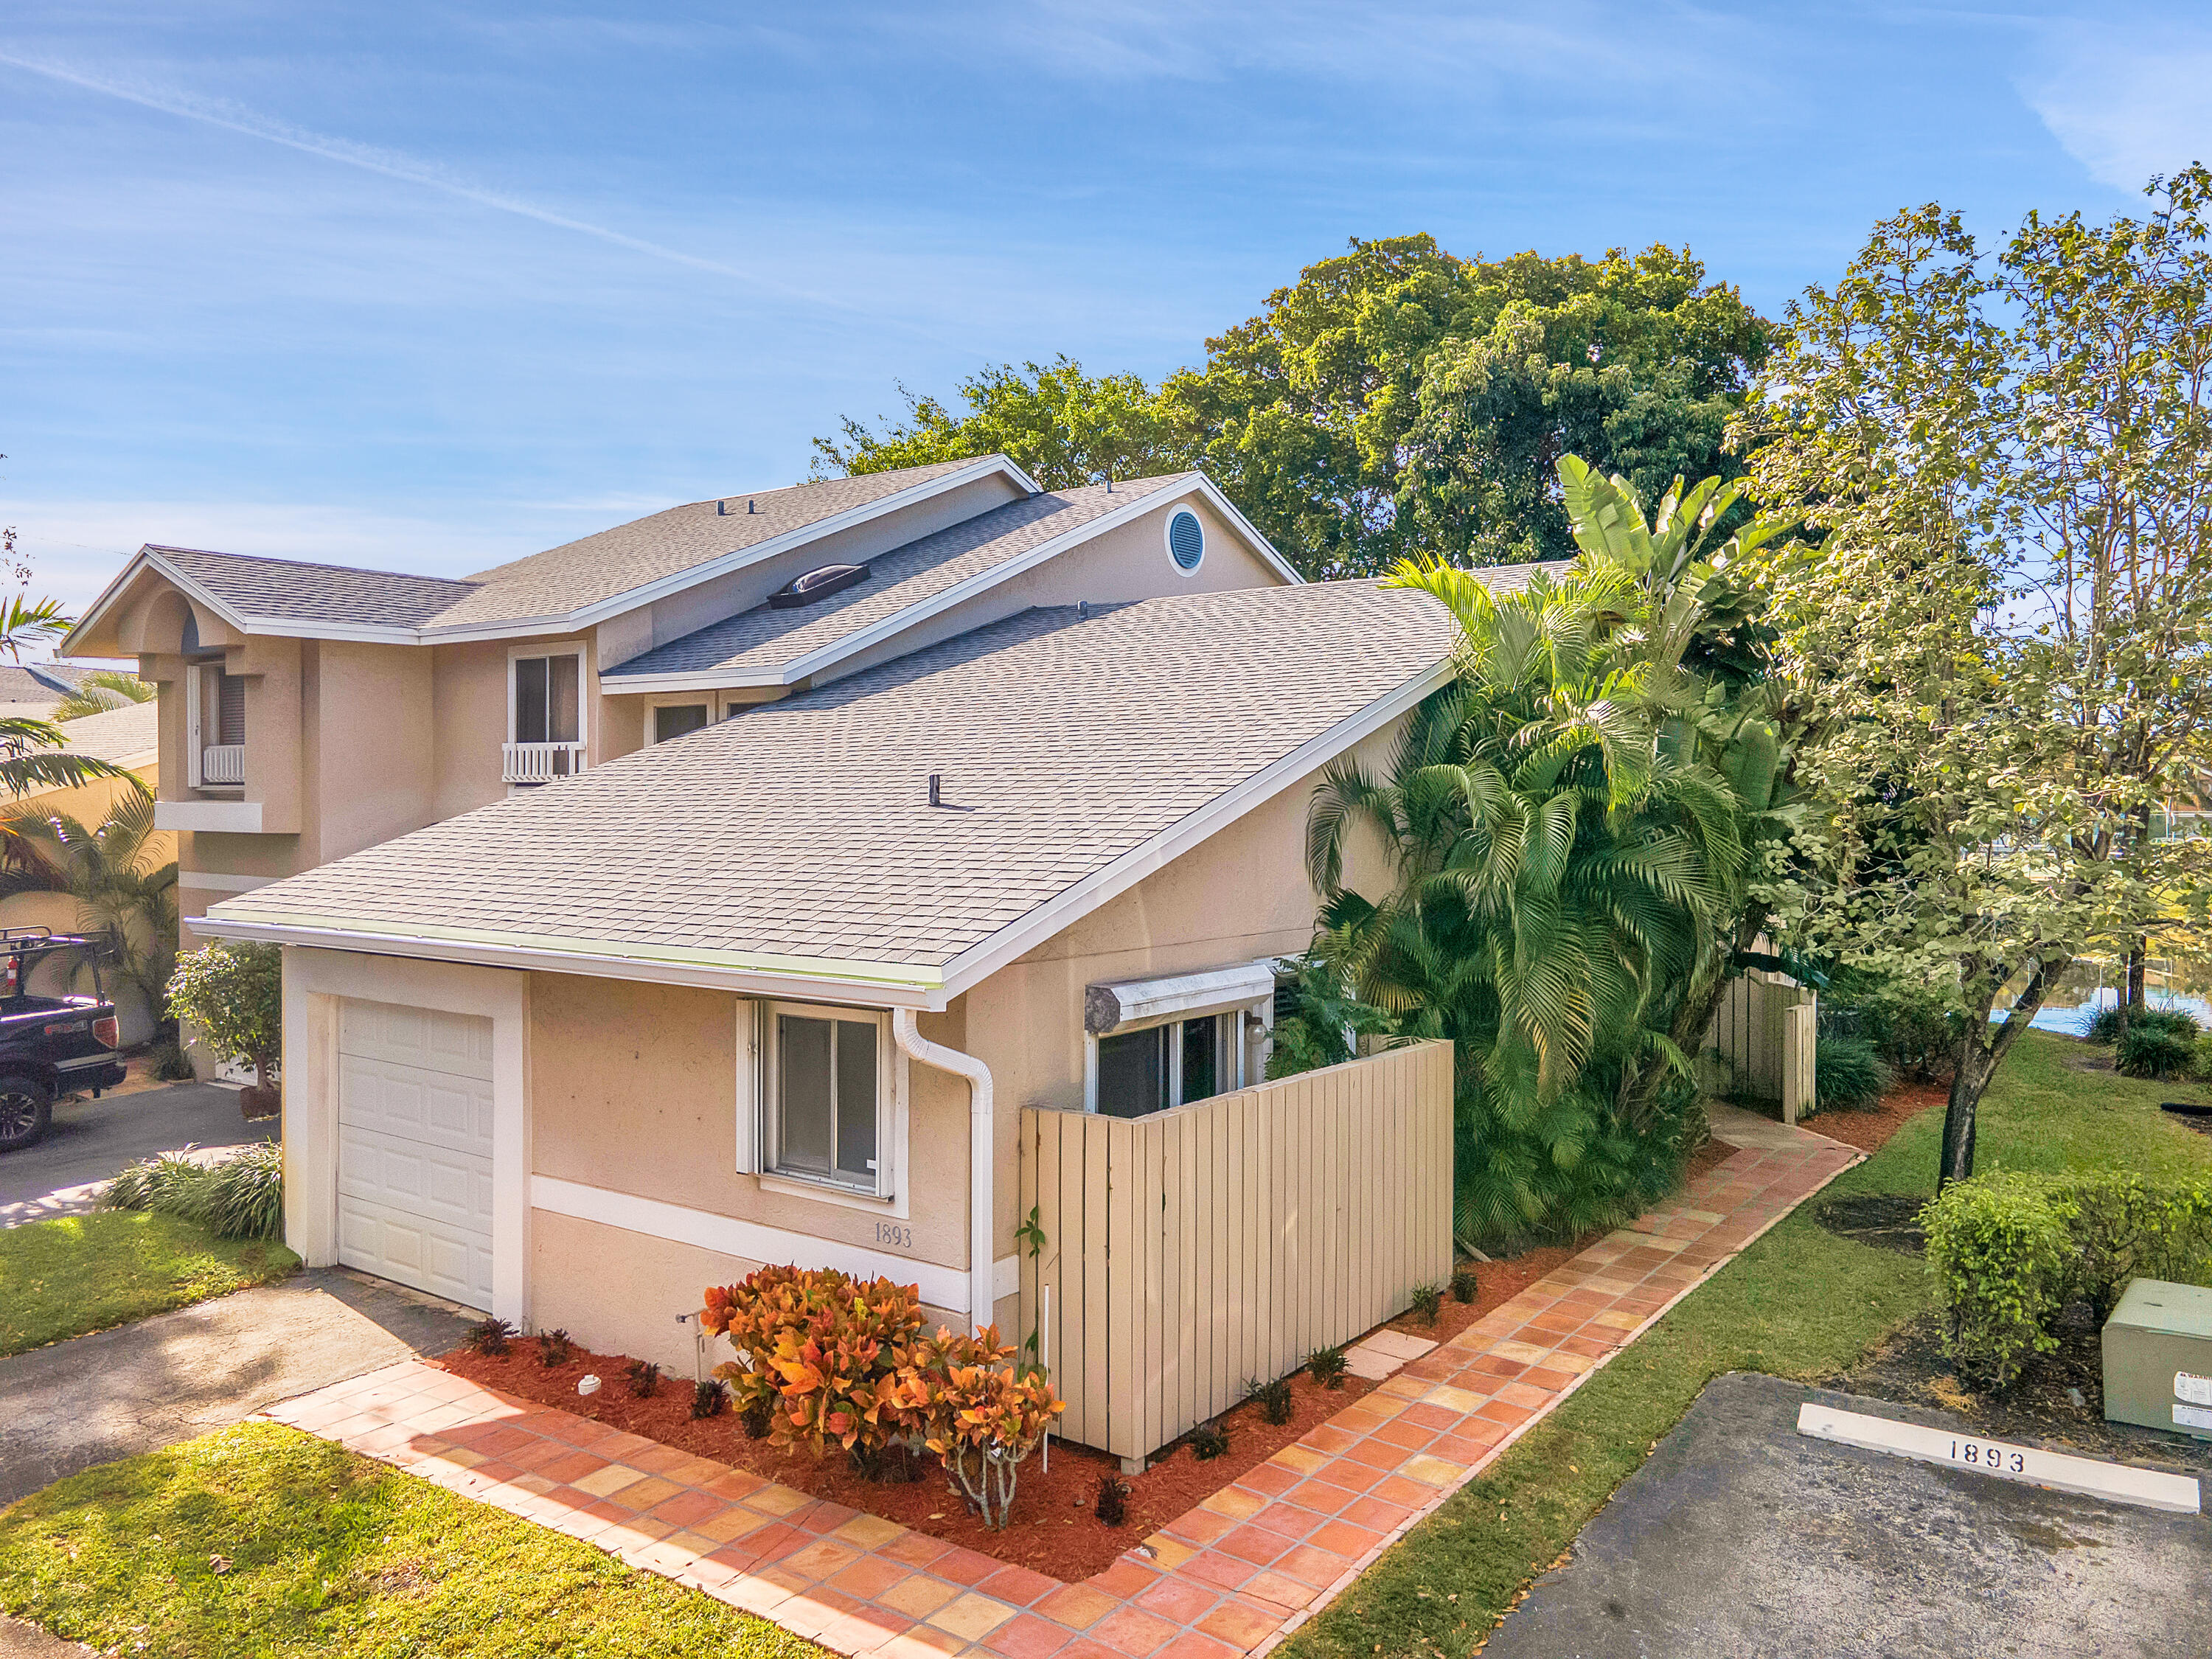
x: 1395, y: 399
x: 1063, y: 426
x: 2005, y: 643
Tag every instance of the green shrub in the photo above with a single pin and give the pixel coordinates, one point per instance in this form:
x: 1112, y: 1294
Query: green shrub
x: 2200, y: 1059
x: 1912, y: 1026
x: 1327, y: 1366
x: 1848, y: 1071
x: 2123, y: 1227
x: 168, y: 1061
x: 1207, y: 1442
x: 2008, y: 1251
x: 234, y: 992
x: 1274, y: 1399
x: 2105, y: 1024
x: 1998, y: 1252
x: 2155, y: 1051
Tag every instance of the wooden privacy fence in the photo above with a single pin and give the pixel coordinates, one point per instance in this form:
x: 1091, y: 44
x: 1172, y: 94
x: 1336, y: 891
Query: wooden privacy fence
x: 1764, y: 1032
x: 1189, y: 1252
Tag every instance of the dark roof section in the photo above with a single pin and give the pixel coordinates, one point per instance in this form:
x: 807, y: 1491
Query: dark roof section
x: 37, y: 682
x: 613, y: 562
x: 762, y: 640
x: 800, y: 828
x: 287, y: 590
x: 553, y: 583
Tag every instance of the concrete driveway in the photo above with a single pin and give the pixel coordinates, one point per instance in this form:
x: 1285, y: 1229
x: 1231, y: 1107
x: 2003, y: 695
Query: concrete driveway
x: 114, y: 1393
x: 92, y: 1140
x: 1740, y: 1539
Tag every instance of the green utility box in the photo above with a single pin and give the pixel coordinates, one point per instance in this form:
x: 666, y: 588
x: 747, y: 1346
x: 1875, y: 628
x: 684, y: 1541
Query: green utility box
x: 2158, y: 1358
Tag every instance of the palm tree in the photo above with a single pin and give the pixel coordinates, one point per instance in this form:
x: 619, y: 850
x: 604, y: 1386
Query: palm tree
x: 30, y: 749
x: 113, y: 872
x: 1566, y: 829
x: 103, y: 691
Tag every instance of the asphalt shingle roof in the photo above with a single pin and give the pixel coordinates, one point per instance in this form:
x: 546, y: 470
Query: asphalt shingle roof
x: 21, y: 683
x: 800, y: 828
x: 553, y: 583
x: 116, y: 734
x: 289, y: 589
x: 763, y: 640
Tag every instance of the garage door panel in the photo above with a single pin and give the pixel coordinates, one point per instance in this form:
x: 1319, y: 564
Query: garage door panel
x: 415, y: 1130
x: 411, y: 1250
x: 457, y: 1044
x: 422, y: 1105
x: 412, y: 1175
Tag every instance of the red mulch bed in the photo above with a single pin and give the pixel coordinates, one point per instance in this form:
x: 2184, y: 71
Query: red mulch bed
x: 1869, y: 1127
x: 1054, y: 1530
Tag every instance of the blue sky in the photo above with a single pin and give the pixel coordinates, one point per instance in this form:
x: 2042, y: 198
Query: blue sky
x: 428, y: 288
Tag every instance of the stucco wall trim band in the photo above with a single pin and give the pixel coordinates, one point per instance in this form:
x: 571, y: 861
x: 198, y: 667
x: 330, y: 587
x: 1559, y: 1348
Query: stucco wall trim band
x: 942, y: 1287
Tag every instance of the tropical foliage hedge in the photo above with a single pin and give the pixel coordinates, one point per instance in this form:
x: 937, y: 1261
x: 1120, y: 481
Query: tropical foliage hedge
x: 2009, y: 1251
x: 1571, y: 829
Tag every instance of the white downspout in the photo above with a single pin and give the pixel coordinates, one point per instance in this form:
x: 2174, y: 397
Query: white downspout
x: 982, y: 1153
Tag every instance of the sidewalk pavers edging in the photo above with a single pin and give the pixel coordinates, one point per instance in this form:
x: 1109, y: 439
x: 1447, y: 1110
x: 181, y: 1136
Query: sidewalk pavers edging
x: 1234, y: 1575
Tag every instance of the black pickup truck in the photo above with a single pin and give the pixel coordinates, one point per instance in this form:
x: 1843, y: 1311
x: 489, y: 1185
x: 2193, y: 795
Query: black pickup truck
x: 50, y: 1046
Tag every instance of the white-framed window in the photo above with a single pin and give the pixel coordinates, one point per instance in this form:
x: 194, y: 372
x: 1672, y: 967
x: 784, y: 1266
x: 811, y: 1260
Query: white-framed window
x: 828, y: 1108
x: 545, y: 696
x: 1177, y: 1062
x: 674, y: 719
x: 548, y: 693
x: 215, y: 727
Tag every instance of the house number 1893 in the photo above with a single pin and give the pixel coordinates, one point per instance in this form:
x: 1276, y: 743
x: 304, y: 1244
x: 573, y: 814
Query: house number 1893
x: 898, y: 1237
x: 1997, y: 1459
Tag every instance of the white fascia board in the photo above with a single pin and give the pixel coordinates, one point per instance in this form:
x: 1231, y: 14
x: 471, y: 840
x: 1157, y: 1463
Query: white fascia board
x: 1249, y: 531
x: 98, y: 609
x: 813, y: 663
x: 589, y: 616
x: 866, y: 985
x: 980, y: 960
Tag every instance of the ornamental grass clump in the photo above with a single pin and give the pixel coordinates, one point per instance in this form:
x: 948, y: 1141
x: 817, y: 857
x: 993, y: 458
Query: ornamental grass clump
x: 1848, y: 1071
x: 2155, y: 1051
x: 241, y: 1197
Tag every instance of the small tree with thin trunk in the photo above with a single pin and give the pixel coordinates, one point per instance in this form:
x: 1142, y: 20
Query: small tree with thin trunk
x: 234, y: 992
x: 2005, y: 639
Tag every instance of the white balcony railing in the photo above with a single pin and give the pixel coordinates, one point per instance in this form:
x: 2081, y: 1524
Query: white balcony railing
x: 540, y: 763
x: 223, y: 763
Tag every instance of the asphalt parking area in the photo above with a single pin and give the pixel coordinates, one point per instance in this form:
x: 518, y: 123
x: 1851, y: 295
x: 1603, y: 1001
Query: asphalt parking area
x: 93, y: 1140
x: 1740, y: 1539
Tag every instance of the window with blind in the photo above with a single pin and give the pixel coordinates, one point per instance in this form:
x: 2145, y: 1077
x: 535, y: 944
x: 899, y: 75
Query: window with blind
x: 547, y: 699
x: 827, y: 1094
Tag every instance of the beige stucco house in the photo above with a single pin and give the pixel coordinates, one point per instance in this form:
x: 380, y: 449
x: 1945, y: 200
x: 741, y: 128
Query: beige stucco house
x: 726, y: 888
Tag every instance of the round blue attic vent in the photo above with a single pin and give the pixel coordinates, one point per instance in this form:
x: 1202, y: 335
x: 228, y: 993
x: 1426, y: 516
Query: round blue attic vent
x: 1186, y: 539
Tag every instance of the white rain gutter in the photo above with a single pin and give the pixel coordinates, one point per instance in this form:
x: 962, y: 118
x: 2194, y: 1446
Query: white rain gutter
x: 980, y: 1153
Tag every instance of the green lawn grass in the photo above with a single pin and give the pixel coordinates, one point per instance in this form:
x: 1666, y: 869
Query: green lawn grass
x: 1799, y: 1302
x: 261, y: 1541
x: 85, y: 1273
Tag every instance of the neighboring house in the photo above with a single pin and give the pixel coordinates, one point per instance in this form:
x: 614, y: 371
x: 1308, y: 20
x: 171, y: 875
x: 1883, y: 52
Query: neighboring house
x: 130, y: 738
x: 651, y: 914
x: 31, y: 690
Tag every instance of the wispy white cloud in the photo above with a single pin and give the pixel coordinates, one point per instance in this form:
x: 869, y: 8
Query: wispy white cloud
x: 392, y: 164
x: 2126, y: 103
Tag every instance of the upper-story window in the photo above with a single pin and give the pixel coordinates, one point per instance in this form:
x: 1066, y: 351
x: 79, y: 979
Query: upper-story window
x: 673, y: 719
x: 545, y: 705
x: 216, y: 742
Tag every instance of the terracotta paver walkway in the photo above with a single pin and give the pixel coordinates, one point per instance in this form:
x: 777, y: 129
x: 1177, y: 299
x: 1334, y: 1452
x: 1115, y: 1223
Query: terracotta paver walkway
x: 1232, y: 1576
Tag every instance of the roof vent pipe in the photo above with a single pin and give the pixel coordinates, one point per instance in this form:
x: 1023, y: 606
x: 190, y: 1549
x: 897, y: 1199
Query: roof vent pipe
x: 980, y: 1152
x: 722, y: 509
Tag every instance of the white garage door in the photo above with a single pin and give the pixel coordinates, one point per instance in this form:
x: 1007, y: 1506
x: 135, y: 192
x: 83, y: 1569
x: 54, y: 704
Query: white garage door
x: 415, y: 1148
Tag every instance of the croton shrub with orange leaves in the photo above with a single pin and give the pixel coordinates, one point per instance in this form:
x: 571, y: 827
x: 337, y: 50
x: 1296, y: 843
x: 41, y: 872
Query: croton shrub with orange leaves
x: 834, y: 1360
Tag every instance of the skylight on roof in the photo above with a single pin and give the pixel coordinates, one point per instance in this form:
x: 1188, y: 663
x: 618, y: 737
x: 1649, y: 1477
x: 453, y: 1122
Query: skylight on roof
x: 818, y: 584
